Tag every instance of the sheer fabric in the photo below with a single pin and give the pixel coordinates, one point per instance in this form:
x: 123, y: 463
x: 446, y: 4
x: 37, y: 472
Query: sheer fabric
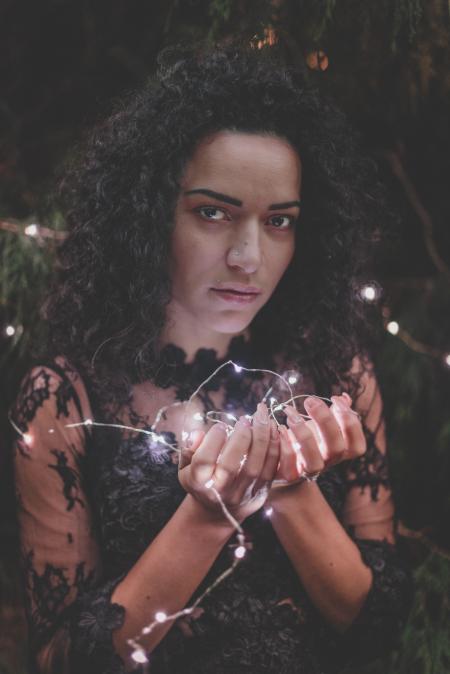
x: 91, y: 499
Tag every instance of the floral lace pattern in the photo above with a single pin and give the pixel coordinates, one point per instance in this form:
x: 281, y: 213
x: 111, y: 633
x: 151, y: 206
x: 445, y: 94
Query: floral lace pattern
x: 111, y: 494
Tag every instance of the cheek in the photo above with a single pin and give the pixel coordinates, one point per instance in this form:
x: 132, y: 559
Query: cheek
x: 279, y: 261
x: 194, y: 258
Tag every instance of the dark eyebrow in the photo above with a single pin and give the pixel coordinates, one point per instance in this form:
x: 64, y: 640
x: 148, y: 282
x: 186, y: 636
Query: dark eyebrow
x: 285, y: 204
x: 216, y: 195
x: 237, y: 202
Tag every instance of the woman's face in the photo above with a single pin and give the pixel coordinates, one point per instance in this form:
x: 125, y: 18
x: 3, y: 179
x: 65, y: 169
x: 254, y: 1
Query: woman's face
x: 235, y: 223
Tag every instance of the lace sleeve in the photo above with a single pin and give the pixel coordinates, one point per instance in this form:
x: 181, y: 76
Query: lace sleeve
x: 369, y: 518
x: 69, y: 610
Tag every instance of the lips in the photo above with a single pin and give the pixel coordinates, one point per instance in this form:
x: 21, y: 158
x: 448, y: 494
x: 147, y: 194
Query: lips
x: 238, y: 289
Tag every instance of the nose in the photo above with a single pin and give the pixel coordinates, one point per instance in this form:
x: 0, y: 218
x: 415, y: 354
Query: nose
x: 245, y: 252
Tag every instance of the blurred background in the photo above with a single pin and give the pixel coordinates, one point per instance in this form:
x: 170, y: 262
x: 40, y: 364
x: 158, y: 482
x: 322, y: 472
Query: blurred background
x: 386, y: 63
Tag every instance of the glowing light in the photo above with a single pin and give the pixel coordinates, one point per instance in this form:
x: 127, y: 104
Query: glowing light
x: 447, y: 359
x: 296, y: 446
x: 198, y: 416
x: 160, y: 616
x: 184, y: 435
x: 268, y: 511
x: 273, y: 401
x: 369, y: 292
x: 139, y: 656
x: 31, y: 230
x: 393, y: 327
x: 240, y: 552
x: 230, y: 416
x: 28, y: 439
x: 10, y: 330
x: 237, y: 368
x: 88, y: 422
x: 209, y: 484
x: 293, y: 379
x: 51, y: 430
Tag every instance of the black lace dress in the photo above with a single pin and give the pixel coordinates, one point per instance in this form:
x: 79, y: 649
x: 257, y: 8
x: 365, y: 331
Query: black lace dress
x: 92, y: 498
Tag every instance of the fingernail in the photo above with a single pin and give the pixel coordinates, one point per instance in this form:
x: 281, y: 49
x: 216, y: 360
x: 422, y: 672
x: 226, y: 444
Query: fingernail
x: 313, y: 403
x: 293, y: 416
x: 274, y: 434
x: 340, y: 404
x: 243, y: 421
x: 262, y: 415
x: 282, y: 430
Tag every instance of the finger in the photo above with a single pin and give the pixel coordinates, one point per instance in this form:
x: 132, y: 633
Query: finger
x: 288, y: 459
x: 192, y: 443
x: 204, y: 460
x: 232, y: 456
x: 269, y: 469
x: 350, y: 426
x: 257, y: 453
x: 333, y: 441
x: 311, y: 458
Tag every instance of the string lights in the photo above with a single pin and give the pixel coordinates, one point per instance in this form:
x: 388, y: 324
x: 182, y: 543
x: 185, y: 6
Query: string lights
x: 139, y: 654
x: 369, y: 292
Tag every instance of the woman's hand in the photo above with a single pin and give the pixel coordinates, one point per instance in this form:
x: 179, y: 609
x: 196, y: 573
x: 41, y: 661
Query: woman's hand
x: 238, y: 467
x: 333, y: 434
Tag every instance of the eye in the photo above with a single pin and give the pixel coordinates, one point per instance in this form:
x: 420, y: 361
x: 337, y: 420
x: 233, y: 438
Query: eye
x: 212, y: 213
x: 282, y: 221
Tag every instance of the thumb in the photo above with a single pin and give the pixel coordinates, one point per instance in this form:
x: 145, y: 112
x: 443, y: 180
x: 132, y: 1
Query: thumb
x: 193, y: 441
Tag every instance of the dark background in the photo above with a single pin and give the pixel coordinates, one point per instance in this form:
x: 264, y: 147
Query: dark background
x: 63, y: 62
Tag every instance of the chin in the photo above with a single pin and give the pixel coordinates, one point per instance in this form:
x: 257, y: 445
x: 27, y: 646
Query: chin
x: 231, y: 326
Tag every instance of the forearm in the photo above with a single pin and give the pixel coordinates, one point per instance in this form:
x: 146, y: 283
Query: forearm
x: 168, y: 572
x: 325, y: 558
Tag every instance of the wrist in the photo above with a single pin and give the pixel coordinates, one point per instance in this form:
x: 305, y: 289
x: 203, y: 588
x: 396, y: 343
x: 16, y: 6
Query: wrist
x: 207, y: 518
x: 298, y: 495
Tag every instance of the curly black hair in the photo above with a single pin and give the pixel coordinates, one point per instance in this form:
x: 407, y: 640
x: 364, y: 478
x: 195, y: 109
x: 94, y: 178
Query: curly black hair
x: 108, y: 306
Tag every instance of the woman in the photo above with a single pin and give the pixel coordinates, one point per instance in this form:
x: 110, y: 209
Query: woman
x: 223, y: 213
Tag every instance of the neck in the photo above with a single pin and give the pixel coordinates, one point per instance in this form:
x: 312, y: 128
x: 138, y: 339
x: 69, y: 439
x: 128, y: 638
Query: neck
x: 191, y: 337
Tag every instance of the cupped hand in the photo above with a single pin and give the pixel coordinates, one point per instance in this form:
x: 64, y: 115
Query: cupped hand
x: 240, y: 467
x: 331, y: 435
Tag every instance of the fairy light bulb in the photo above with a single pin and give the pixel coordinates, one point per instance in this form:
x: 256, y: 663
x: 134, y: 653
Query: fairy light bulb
x: 198, y: 416
x: 28, y: 439
x: 31, y: 230
x: 209, y: 484
x: 368, y: 293
x: 293, y: 379
x: 160, y: 616
x: 88, y: 422
x: 447, y: 359
x: 393, y: 327
x: 268, y: 511
x: 240, y: 552
x: 139, y: 656
x: 237, y: 368
x: 10, y: 330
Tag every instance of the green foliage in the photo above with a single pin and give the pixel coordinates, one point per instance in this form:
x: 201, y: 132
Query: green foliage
x: 425, y: 644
